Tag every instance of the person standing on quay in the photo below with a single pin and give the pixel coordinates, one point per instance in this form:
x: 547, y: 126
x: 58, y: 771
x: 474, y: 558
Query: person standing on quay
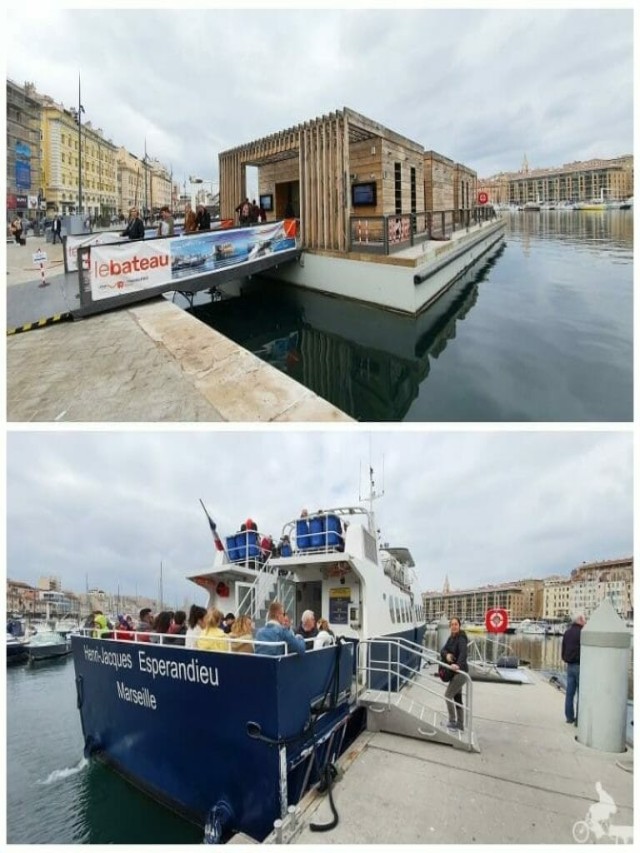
x: 135, y: 226
x: 454, y: 652
x: 165, y: 227
x: 190, y: 221
x: 203, y: 218
x: 571, y: 656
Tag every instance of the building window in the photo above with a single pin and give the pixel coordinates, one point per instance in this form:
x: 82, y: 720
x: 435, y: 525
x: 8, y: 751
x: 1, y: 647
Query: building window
x: 397, y: 170
x: 413, y: 190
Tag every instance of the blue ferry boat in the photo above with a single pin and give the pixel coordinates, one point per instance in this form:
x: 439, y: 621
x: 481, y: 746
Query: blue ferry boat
x: 233, y: 741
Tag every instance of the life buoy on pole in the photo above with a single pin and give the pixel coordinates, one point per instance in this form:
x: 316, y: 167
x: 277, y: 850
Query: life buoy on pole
x: 496, y: 620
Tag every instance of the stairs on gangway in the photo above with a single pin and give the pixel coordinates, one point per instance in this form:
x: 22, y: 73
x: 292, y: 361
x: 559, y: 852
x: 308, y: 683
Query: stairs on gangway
x: 397, y: 712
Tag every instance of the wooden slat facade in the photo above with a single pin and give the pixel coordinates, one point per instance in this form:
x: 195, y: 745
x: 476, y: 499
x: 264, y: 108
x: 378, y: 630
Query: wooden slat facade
x: 312, y: 167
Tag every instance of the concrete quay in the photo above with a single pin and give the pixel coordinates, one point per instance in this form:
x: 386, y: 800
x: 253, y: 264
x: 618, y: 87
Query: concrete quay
x: 530, y: 784
x: 151, y: 362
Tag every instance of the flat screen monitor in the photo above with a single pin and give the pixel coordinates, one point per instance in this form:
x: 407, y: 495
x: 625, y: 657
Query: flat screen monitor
x: 363, y: 195
x: 266, y: 202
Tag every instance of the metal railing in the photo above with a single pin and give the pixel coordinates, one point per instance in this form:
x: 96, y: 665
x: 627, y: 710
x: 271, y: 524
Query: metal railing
x: 151, y: 638
x: 402, y: 674
x: 387, y: 234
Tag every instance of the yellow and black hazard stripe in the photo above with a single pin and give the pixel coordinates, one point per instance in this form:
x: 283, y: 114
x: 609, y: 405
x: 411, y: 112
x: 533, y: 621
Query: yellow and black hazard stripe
x: 39, y: 324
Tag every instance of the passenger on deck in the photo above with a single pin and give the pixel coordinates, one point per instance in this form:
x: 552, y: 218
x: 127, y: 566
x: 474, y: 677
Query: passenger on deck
x: 146, y: 620
x: 227, y: 622
x: 213, y: 638
x: 276, y: 632
x: 454, y: 652
x: 307, y: 629
x: 267, y: 548
x: 177, y: 629
x: 325, y: 636
x: 161, y: 625
x: 242, y: 630
x: 195, y: 624
x: 283, y: 548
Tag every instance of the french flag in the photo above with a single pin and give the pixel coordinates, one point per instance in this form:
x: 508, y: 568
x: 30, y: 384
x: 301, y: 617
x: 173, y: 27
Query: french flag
x: 216, y: 539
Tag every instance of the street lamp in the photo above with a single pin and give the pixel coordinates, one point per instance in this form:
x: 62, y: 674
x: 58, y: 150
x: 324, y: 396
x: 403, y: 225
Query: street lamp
x: 77, y: 114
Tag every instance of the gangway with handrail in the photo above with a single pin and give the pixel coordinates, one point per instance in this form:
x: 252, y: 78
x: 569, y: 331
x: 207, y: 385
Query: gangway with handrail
x: 402, y: 698
x: 112, y: 275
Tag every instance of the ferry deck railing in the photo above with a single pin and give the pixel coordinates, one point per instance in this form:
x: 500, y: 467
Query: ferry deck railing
x: 151, y: 639
x: 401, y: 673
x: 387, y: 234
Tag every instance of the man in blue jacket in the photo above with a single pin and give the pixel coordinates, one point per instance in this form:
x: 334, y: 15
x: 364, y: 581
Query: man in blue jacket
x: 571, y: 656
x: 275, y: 631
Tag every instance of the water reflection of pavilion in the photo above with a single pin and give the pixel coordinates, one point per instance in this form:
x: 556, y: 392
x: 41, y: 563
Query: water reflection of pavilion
x: 368, y: 361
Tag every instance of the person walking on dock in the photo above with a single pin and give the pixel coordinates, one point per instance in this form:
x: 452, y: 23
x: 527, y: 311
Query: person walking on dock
x: 571, y: 656
x: 454, y: 653
x: 203, y: 218
x: 56, y: 229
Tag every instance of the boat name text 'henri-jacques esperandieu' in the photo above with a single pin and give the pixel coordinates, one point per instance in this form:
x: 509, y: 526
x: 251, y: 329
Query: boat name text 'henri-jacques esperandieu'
x: 157, y: 667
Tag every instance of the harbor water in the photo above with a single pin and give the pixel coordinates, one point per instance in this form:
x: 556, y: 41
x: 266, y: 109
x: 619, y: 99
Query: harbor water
x: 543, y: 332
x: 55, y: 796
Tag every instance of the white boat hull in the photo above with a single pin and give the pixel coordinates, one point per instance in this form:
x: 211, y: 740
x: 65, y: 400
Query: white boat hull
x: 390, y: 281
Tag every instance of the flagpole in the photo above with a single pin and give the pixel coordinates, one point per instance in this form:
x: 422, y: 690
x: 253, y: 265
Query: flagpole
x: 216, y: 538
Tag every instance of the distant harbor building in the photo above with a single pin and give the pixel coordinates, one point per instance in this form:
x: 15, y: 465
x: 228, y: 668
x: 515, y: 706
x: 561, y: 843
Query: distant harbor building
x: 591, y: 583
x: 579, y: 181
x: 44, y: 163
x: 24, y: 187
x: 521, y: 600
x: 556, y: 599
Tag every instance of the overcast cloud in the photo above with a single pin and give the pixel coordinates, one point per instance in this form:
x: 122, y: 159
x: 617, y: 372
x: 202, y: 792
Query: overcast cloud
x: 483, y: 87
x: 107, y: 507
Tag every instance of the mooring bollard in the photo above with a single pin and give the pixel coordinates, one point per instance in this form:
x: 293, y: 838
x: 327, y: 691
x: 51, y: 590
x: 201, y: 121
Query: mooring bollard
x: 604, y: 675
x: 40, y: 257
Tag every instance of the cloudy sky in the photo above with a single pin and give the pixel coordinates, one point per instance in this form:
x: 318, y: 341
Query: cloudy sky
x: 483, y: 87
x: 107, y: 507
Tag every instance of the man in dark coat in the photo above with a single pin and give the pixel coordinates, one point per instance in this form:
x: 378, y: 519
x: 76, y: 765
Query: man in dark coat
x: 571, y: 656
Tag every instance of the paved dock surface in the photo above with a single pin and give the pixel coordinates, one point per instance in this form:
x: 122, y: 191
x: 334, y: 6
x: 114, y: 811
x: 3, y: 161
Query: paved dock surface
x: 530, y: 783
x: 146, y: 363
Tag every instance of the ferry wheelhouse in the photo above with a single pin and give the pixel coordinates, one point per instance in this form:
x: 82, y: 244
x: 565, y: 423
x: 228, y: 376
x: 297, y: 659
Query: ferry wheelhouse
x: 233, y: 741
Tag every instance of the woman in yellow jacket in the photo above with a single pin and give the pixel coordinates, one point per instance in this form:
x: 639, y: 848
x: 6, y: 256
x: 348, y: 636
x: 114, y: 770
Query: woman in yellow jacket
x: 213, y: 638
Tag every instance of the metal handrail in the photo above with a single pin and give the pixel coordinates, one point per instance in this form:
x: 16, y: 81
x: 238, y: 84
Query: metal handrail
x: 407, y: 674
x: 151, y: 638
x: 388, y: 233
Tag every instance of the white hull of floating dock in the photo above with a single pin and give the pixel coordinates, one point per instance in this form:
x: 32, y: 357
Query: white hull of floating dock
x: 407, y: 281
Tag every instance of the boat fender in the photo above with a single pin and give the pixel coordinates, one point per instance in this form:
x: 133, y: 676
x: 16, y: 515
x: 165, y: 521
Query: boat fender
x: 79, y: 692
x: 219, y: 822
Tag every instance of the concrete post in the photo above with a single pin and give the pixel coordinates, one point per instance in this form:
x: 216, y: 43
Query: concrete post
x: 442, y: 631
x: 604, y: 670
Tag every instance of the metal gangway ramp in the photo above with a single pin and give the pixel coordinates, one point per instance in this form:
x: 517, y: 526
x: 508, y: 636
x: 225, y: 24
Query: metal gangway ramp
x: 114, y: 274
x: 397, y: 686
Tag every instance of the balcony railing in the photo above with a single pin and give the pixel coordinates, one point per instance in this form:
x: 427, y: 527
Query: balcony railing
x: 385, y: 235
